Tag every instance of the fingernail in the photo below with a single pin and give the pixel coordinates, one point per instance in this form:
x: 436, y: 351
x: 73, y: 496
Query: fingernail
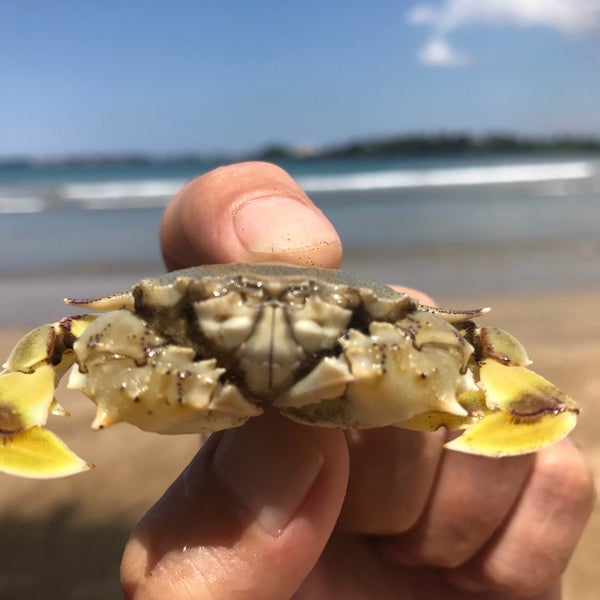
x: 270, y: 466
x: 279, y: 224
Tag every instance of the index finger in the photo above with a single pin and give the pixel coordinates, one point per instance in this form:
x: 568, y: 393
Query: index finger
x: 247, y: 212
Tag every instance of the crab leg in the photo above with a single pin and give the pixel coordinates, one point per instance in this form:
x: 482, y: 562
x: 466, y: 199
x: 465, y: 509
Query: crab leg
x: 27, y: 386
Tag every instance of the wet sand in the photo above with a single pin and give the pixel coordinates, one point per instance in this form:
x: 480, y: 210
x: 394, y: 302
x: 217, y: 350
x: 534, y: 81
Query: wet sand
x: 64, y: 538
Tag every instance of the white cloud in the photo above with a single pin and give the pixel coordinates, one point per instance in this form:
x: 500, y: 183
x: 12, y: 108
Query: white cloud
x: 437, y: 52
x: 568, y: 17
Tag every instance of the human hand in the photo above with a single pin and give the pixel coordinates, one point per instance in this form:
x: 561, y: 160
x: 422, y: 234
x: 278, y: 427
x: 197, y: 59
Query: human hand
x: 275, y: 509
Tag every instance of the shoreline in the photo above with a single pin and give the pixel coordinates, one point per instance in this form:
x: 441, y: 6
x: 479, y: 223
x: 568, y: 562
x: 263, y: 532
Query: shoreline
x: 450, y: 275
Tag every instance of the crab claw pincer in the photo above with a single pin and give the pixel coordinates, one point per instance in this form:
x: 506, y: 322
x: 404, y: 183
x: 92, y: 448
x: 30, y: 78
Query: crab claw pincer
x: 26, y: 398
x: 529, y: 413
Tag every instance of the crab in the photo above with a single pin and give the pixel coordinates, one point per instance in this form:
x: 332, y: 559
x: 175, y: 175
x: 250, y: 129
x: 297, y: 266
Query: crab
x: 207, y: 348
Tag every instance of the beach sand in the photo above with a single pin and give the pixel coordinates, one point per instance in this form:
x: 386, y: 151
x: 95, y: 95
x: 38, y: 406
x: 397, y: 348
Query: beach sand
x: 64, y: 538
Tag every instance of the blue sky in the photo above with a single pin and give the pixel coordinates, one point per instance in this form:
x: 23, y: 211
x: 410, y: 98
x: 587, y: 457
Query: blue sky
x: 199, y: 76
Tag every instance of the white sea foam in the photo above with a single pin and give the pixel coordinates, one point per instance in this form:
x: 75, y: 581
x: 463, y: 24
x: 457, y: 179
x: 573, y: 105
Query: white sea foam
x: 466, y: 176
x: 120, y: 194
x: 155, y: 193
x: 21, y: 205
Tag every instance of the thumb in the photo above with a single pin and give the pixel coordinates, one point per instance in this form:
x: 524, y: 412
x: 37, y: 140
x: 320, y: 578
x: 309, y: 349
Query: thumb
x: 248, y: 518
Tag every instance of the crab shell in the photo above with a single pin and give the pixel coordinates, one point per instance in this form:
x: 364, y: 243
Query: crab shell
x: 207, y: 348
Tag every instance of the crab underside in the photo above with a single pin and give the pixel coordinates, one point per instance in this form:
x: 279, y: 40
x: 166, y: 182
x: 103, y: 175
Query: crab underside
x: 207, y: 348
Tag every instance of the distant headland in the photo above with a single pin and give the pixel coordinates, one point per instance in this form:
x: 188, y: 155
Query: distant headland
x: 439, y: 144
x: 412, y: 145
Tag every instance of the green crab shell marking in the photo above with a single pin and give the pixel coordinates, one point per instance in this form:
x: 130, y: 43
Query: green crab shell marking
x: 207, y: 348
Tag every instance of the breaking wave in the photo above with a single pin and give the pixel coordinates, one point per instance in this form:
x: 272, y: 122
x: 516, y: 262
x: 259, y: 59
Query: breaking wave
x: 155, y: 193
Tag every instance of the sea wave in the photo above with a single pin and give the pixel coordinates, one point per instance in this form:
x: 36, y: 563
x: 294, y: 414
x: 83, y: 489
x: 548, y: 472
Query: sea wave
x: 114, y: 194
x: 465, y: 176
x: 21, y: 204
x: 101, y: 195
x: 155, y: 193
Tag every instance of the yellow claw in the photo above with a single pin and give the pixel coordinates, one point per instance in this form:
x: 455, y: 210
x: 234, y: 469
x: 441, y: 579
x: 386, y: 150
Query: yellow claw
x: 38, y: 453
x: 32, y: 349
x: 503, y: 347
x: 25, y: 399
x: 39, y: 346
x: 28, y: 449
x: 500, y: 435
x: 521, y: 392
x: 531, y: 413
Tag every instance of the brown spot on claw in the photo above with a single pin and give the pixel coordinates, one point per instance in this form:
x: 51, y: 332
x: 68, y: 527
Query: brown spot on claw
x: 534, y: 406
x: 10, y: 422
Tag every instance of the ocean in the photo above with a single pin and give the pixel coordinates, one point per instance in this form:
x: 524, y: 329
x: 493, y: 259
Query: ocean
x: 451, y: 226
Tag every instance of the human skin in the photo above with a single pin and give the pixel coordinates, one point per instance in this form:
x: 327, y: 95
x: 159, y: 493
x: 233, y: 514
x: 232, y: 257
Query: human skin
x: 275, y: 509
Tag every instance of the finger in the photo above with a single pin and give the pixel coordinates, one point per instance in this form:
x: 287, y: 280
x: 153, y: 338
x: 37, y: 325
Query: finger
x: 533, y: 546
x: 248, y: 517
x: 247, y: 212
x: 349, y: 566
x: 470, y: 498
x: 391, y: 474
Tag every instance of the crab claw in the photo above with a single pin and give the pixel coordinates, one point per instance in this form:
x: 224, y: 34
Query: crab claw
x: 38, y: 454
x: 27, y: 448
x: 27, y: 397
x: 529, y: 413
